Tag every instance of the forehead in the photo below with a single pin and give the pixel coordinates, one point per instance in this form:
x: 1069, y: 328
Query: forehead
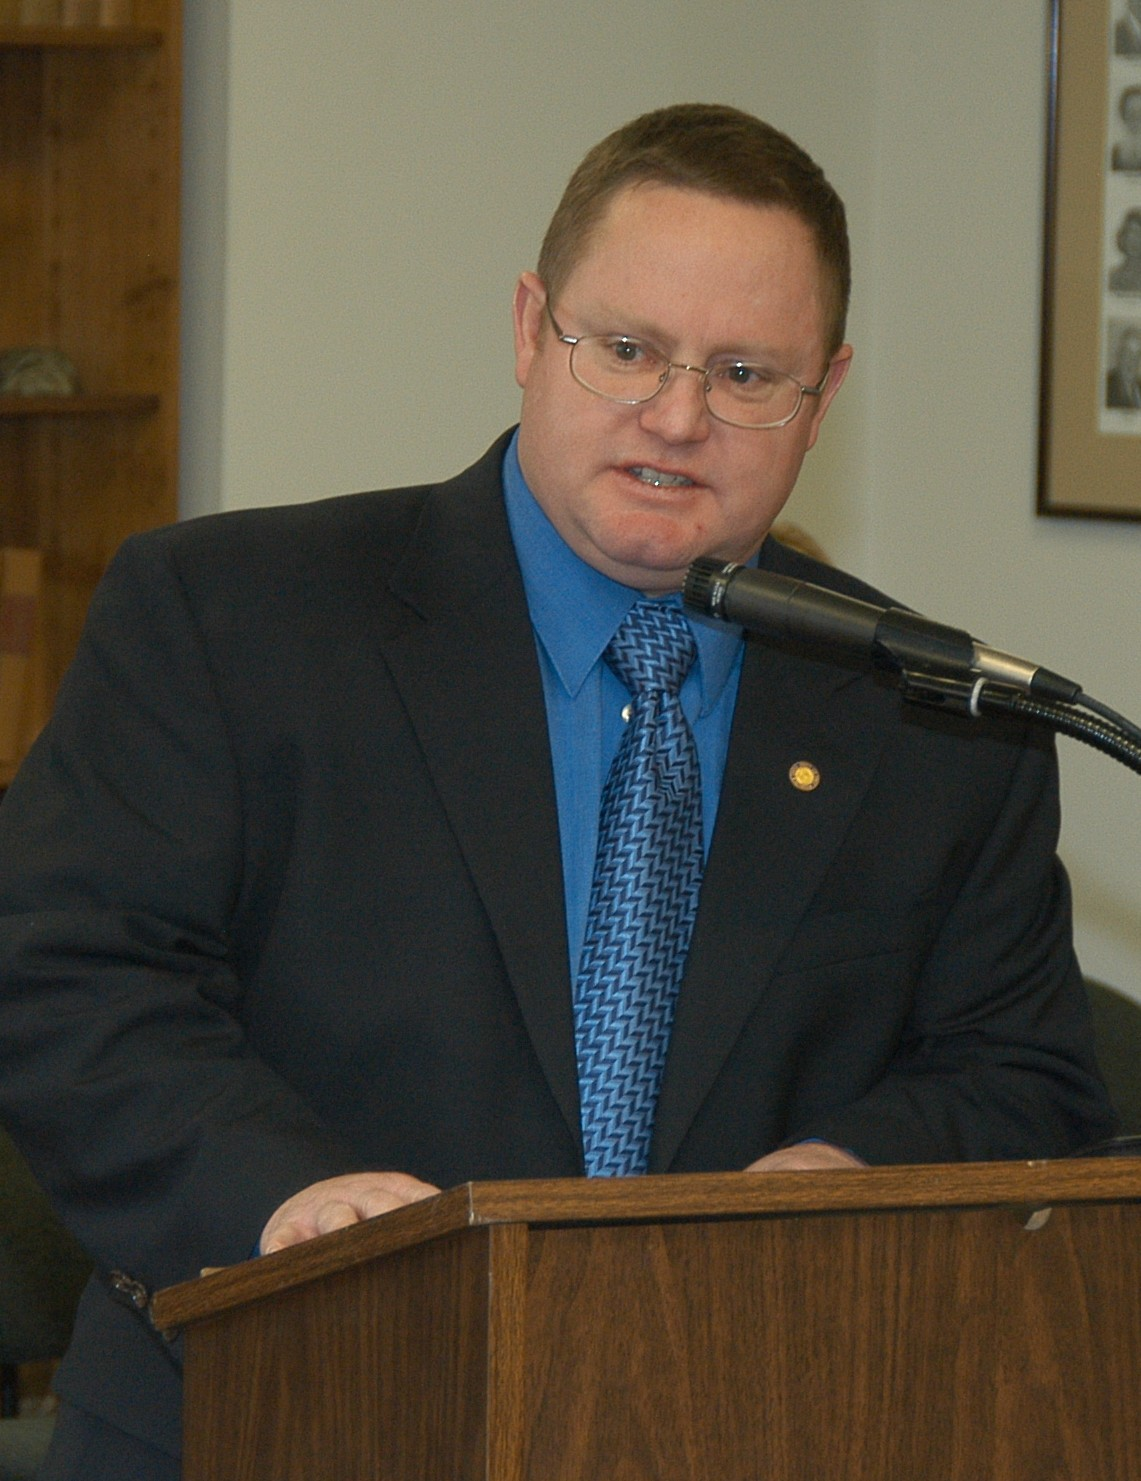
x: 667, y: 257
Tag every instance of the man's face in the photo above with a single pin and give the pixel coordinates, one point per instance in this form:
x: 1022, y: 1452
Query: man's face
x: 640, y: 491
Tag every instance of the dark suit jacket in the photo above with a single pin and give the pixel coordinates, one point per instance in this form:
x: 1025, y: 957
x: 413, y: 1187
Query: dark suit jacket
x: 281, y: 897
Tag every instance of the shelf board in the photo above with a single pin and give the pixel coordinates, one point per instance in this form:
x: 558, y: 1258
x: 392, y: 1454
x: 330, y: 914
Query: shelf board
x: 79, y: 36
x: 77, y: 406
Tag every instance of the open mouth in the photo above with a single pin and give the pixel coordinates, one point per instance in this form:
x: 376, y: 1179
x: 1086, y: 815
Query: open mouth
x: 657, y: 478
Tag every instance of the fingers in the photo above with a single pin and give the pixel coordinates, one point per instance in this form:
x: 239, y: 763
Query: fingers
x: 805, y: 1157
x: 307, y: 1223
x: 338, y: 1202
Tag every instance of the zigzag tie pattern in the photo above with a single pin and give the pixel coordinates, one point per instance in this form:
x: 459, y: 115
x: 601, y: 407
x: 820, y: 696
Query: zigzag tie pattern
x: 643, y: 899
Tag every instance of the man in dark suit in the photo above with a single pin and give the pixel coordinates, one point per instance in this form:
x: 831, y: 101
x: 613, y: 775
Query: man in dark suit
x: 295, y: 886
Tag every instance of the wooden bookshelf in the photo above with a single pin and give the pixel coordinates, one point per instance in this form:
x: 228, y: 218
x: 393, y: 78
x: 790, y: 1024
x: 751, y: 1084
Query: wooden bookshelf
x: 89, y: 239
x: 60, y: 36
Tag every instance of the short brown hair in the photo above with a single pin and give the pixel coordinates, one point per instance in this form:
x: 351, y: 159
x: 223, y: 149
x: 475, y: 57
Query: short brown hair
x: 710, y: 147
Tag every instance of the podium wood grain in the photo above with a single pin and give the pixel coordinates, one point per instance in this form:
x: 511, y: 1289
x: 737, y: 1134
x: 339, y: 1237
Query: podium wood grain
x: 895, y: 1324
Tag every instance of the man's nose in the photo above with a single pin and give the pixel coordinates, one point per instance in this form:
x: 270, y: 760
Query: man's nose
x: 679, y: 412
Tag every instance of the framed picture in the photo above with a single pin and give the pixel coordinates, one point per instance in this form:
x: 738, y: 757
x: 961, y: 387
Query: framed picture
x: 1089, y: 459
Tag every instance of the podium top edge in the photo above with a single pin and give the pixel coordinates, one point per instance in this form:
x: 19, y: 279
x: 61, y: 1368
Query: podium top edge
x: 670, y: 1198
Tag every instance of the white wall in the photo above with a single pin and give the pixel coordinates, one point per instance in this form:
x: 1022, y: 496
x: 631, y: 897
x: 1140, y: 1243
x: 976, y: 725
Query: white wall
x: 949, y: 502
x: 390, y: 171
x: 364, y: 184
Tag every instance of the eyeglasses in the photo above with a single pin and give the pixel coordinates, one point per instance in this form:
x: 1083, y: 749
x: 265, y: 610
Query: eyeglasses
x: 629, y: 370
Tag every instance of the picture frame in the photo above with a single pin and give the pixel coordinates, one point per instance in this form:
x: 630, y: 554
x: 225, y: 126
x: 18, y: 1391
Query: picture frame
x: 1089, y: 455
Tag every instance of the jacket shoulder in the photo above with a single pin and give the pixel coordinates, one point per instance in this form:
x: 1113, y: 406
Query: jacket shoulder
x: 366, y: 531
x: 785, y: 560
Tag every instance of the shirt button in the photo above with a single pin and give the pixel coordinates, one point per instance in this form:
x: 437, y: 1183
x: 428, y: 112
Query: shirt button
x: 627, y: 711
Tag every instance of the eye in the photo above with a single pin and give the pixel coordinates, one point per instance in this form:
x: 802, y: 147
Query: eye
x: 626, y: 353
x: 752, y: 380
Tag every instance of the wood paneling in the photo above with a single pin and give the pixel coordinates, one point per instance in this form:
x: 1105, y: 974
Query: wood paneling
x: 89, y: 194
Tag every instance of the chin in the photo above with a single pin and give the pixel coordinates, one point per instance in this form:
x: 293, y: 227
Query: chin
x: 645, y: 546
x: 652, y: 578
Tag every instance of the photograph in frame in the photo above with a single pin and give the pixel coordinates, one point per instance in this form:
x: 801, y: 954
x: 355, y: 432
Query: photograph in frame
x: 1090, y: 411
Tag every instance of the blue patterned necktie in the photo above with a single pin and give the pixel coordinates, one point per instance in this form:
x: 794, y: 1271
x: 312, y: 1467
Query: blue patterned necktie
x: 643, y: 899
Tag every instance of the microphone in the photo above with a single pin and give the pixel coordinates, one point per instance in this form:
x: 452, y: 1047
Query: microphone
x: 783, y: 607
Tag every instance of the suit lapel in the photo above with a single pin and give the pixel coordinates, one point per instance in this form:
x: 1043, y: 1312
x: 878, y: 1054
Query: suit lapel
x: 466, y: 669
x: 772, y: 845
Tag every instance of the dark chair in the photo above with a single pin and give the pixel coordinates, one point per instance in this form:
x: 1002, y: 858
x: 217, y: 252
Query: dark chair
x: 1117, y: 1030
x: 42, y: 1272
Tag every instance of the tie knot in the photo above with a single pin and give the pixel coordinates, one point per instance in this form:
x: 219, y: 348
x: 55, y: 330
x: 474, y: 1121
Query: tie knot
x: 653, y: 649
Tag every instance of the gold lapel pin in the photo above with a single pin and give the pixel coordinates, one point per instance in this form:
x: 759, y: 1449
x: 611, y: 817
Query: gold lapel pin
x: 804, y: 776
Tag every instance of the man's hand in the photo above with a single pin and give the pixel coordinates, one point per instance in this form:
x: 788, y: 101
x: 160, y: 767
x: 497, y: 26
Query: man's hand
x: 337, y: 1203
x: 805, y: 1157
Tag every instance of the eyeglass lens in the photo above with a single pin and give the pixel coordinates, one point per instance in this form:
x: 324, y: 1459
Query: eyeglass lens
x: 628, y: 370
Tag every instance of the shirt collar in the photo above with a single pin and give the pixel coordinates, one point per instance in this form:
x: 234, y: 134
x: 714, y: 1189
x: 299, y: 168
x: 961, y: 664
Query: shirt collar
x: 576, y: 610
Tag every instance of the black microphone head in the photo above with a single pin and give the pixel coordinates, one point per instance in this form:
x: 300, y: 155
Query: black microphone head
x: 704, y: 586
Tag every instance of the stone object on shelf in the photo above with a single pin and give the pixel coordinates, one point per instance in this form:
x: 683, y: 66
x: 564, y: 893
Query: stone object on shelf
x: 35, y: 370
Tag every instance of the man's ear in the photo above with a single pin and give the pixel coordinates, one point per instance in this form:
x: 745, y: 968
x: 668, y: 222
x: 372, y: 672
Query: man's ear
x: 838, y: 368
x: 527, y: 312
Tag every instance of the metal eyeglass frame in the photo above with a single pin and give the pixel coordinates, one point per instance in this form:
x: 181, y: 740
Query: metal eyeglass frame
x: 672, y: 365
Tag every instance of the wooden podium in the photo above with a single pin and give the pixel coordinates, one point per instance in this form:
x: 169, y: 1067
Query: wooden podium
x: 976, y: 1322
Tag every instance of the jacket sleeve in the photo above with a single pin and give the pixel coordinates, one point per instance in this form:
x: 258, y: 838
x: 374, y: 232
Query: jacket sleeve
x: 125, y: 1075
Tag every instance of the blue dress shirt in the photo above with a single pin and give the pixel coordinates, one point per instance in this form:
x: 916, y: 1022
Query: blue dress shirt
x: 575, y: 611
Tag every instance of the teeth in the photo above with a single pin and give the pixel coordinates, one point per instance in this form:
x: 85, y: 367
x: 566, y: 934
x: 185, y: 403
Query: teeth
x: 661, y: 480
